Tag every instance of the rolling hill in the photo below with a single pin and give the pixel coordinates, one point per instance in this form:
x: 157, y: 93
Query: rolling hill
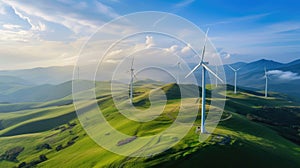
x: 10, y: 84
x: 40, y: 93
x: 253, y: 130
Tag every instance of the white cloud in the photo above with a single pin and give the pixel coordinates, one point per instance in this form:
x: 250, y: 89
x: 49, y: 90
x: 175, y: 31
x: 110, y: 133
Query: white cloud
x: 112, y: 61
x: 149, y: 41
x: 39, y: 26
x: 186, y: 49
x: 284, y: 75
x: 115, y: 52
x: 106, y: 10
x: 16, y: 36
x: 227, y: 56
x: 21, y: 15
x: 172, y: 49
x: 69, y: 15
x: 11, y: 26
x: 70, y: 22
x: 184, y: 3
x: 13, y: 32
x: 33, y: 53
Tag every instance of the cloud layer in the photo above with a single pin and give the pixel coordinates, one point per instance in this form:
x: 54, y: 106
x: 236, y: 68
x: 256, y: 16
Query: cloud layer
x: 284, y: 75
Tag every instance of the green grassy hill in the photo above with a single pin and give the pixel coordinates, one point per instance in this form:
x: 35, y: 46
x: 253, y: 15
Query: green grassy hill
x: 255, y: 132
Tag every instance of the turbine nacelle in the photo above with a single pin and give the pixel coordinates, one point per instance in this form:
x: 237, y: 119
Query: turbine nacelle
x: 235, y: 76
x: 235, y: 70
x: 204, y: 65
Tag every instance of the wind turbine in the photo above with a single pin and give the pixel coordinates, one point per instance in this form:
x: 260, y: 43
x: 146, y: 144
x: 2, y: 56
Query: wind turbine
x: 78, y: 72
x: 235, y: 76
x: 204, y: 69
x: 132, y: 76
x: 266, y: 86
x: 178, y: 64
x: 216, y: 78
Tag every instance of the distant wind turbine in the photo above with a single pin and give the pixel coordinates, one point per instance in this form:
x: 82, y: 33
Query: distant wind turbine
x: 216, y: 78
x: 235, y: 76
x: 78, y: 72
x: 204, y: 69
x: 132, y: 76
x: 266, y: 85
x: 178, y: 64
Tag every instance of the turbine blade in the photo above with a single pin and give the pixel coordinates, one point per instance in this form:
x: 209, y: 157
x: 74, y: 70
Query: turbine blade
x: 212, y: 72
x: 132, y: 62
x: 134, y: 76
x: 203, y: 50
x: 231, y: 68
x: 196, y: 67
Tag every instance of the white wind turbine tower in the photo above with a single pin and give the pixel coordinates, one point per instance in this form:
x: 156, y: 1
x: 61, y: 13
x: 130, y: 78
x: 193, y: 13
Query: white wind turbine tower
x: 266, y: 85
x: 216, y: 78
x: 204, y: 69
x: 178, y: 71
x: 132, y: 76
x: 235, y: 76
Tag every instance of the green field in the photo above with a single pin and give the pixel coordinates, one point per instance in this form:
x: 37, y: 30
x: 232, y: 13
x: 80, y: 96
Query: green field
x: 247, y: 137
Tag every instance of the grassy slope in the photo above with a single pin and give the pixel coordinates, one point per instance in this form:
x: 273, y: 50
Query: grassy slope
x: 251, y: 142
x: 255, y: 146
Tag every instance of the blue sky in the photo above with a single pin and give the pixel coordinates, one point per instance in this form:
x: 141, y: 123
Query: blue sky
x: 47, y: 33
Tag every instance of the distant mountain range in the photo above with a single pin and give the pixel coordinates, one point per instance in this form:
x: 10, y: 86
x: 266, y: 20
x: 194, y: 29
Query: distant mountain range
x: 284, y: 78
x: 22, y: 85
x: 38, y: 76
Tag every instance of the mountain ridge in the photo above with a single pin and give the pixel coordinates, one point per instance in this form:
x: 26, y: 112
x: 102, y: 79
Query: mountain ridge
x: 250, y: 75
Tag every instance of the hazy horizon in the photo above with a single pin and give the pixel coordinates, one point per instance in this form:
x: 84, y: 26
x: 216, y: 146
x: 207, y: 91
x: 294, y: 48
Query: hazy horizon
x: 70, y: 65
